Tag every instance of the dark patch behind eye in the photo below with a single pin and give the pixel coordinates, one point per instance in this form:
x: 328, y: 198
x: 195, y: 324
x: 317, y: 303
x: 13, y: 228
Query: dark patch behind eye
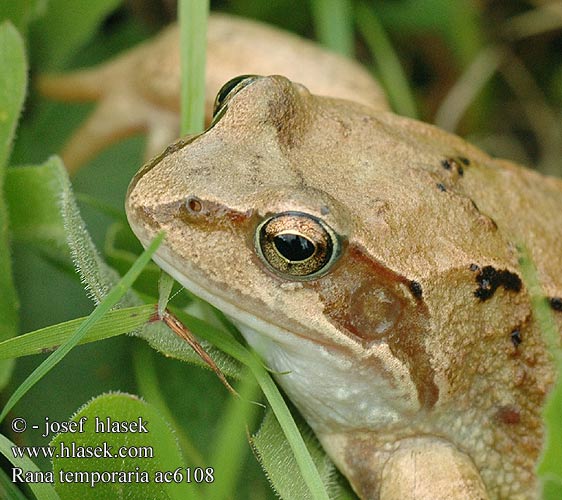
x: 490, y: 279
x: 416, y: 289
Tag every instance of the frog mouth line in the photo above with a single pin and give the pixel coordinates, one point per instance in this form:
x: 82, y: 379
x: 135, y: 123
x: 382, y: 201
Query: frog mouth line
x: 249, y: 319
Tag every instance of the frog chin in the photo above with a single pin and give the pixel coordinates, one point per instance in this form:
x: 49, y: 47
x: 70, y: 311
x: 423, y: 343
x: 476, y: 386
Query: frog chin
x: 331, y: 389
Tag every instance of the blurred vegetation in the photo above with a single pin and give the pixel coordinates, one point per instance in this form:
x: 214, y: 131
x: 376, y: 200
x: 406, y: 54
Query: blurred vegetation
x: 490, y: 70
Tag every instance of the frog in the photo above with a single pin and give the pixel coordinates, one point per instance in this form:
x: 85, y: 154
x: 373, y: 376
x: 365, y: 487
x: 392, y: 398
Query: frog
x: 372, y: 261
x: 407, y: 342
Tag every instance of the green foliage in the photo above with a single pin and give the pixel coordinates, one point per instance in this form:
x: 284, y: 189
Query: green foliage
x: 13, y: 80
x: 193, y: 26
x: 157, y: 451
x: 22, y: 12
x: 35, y: 219
x: 43, y: 491
x: 110, y: 300
x: 275, y: 456
x: 66, y: 26
x: 333, y: 21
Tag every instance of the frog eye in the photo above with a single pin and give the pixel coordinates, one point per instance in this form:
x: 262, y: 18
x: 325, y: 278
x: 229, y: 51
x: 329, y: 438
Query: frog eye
x: 229, y: 89
x: 297, y: 246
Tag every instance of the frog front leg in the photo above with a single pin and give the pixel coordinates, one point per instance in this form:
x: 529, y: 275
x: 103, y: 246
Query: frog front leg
x: 430, y: 469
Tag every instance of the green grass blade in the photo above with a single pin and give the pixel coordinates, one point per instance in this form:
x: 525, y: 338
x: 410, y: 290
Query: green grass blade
x: 308, y: 470
x: 228, y: 344
x: 193, y: 39
x: 8, y: 489
x: 390, y: 70
x: 110, y: 300
x: 239, y: 414
x: 549, y: 467
x: 50, y: 338
x: 333, y: 23
x: 43, y: 491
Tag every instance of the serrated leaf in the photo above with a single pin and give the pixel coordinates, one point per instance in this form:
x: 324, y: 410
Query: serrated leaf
x: 158, y: 441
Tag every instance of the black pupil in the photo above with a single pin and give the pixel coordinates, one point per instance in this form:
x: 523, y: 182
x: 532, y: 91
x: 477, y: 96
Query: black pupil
x: 293, y: 246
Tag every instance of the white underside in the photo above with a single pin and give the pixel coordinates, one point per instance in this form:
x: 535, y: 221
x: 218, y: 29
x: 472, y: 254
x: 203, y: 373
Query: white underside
x: 333, y: 391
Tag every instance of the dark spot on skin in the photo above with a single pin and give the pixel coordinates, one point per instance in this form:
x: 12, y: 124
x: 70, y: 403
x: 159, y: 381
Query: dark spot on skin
x: 324, y: 210
x: 474, y: 267
x: 508, y: 414
x: 416, y: 289
x: 516, y: 337
x: 441, y: 187
x: 446, y: 164
x: 490, y: 279
x: 555, y: 303
x: 452, y: 165
x: 465, y: 160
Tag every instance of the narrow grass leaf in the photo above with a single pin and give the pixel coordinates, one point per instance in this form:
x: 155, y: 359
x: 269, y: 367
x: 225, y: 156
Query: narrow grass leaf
x: 43, y: 491
x: 228, y: 344
x: 467, y: 87
x: 110, y: 300
x: 165, y: 285
x: 193, y: 39
x: 333, y: 23
x: 550, y: 465
x: 231, y: 435
x: 306, y: 465
x: 13, y: 82
x: 48, y: 339
x: 8, y: 489
x: 387, y: 62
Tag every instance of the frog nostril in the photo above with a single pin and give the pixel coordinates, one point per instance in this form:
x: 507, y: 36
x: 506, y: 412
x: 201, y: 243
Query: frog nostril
x: 194, y: 205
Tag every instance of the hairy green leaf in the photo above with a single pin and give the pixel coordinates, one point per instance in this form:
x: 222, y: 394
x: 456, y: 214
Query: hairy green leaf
x: 151, y: 452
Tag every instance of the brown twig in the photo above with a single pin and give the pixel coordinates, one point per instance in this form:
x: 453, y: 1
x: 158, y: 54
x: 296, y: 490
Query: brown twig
x: 184, y: 333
